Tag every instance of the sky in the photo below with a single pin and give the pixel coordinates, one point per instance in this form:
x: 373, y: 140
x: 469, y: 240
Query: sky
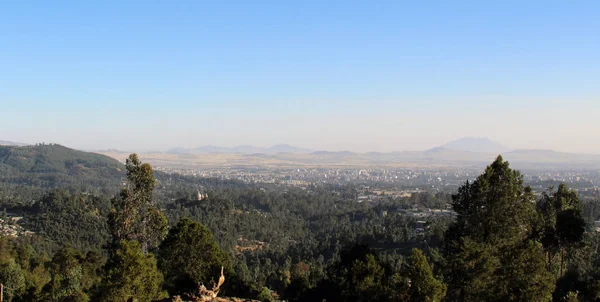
x: 327, y: 75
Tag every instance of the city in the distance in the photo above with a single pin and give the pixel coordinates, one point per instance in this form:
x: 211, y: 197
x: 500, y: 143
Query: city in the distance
x: 300, y: 151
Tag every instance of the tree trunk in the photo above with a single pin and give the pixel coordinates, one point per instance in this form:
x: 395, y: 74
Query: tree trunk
x: 562, y: 260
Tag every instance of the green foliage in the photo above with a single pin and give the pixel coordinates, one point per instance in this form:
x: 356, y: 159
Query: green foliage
x: 53, y: 157
x: 495, y: 209
x: 12, y: 277
x: 525, y: 275
x: 55, y: 166
x: 562, y: 226
x: 358, y: 276
x: 67, y: 276
x: 502, y: 246
x: 133, y: 216
x: 298, y: 286
x: 366, y: 276
x: 265, y: 295
x: 491, y: 254
x: 20, y: 263
x: 424, y: 285
x: 129, y: 274
x: 76, y: 219
x: 37, y: 278
x: 73, y: 276
x: 470, y: 271
x: 189, y: 255
x: 582, y: 275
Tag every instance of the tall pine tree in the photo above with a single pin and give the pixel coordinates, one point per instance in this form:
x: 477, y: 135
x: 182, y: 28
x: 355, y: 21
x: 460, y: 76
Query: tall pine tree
x: 490, y: 250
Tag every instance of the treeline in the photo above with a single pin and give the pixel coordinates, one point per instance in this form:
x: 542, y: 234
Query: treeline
x: 154, y: 240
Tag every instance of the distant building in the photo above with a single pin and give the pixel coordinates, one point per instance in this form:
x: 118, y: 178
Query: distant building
x: 201, y: 196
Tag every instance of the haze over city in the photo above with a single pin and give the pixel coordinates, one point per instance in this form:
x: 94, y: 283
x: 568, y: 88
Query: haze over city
x: 294, y: 151
x: 352, y: 76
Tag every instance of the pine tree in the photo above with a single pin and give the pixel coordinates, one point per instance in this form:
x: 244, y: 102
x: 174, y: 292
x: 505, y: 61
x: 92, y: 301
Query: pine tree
x: 562, y: 226
x: 423, y: 285
x: 130, y: 275
x: 492, y: 255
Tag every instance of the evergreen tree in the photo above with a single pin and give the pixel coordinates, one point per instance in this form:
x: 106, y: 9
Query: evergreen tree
x: 133, y: 216
x: 562, y: 226
x: 67, y: 277
x: 423, y: 285
x: 189, y: 255
x: 12, y: 278
x: 130, y: 275
x: 491, y: 256
x: 358, y: 276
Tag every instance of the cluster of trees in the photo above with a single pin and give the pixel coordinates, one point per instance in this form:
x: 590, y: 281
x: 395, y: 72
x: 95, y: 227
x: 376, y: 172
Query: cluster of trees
x: 55, y: 166
x: 504, y: 245
x: 155, y: 240
x: 136, y: 264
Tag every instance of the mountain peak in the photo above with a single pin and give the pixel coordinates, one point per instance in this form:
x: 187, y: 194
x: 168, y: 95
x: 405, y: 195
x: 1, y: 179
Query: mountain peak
x: 285, y: 148
x: 476, y: 144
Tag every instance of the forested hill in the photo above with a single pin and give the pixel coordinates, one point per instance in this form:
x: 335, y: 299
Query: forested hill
x: 57, y: 158
x: 54, y: 166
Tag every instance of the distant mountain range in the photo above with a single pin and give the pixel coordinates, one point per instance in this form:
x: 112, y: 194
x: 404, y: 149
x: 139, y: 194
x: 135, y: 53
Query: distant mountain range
x: 475, y: 144
x: 468, y: 144
x: 462, y: 152
x: 242, y: 149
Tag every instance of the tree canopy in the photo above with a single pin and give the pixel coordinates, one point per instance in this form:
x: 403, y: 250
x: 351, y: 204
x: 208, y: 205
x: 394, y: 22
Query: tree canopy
x: 506, y: 242
x: 491, y: 252
x: 189, y: 255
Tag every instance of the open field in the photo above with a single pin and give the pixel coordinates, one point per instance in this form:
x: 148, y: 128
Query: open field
x: 440, y: 158
x: 331, y: 160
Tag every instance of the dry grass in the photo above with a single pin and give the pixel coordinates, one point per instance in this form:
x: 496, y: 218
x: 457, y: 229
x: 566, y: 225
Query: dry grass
x: 222, y: 160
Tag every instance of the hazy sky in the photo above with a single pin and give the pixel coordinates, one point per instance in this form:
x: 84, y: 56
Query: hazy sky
x: 337, y: 75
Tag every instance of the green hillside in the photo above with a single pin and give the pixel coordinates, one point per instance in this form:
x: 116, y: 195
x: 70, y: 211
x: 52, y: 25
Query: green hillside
x: 53, y: 166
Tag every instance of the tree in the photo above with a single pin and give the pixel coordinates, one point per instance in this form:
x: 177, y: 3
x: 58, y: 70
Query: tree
x: 298, y: 281
x: 470, y: 271
x: 130, y: 275
x: 490, y: 247
x: 133, y: 216
x: 562, y: 225
x: 524, y: 275
x: 495, y: 209
x: 12, y: 278
x: 189, y: 255
x: 265, y: 295
x: 73, y: 275
x: 358, y: 276
x: 67, y: 276
x: 423, y: 285
x: 582, y: 274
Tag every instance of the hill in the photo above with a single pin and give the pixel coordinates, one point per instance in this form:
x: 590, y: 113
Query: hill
x: 474, y: 144
x: 54, y: 166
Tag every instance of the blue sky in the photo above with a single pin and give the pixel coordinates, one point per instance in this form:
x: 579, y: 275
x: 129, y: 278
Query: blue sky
x: 356, y: 75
